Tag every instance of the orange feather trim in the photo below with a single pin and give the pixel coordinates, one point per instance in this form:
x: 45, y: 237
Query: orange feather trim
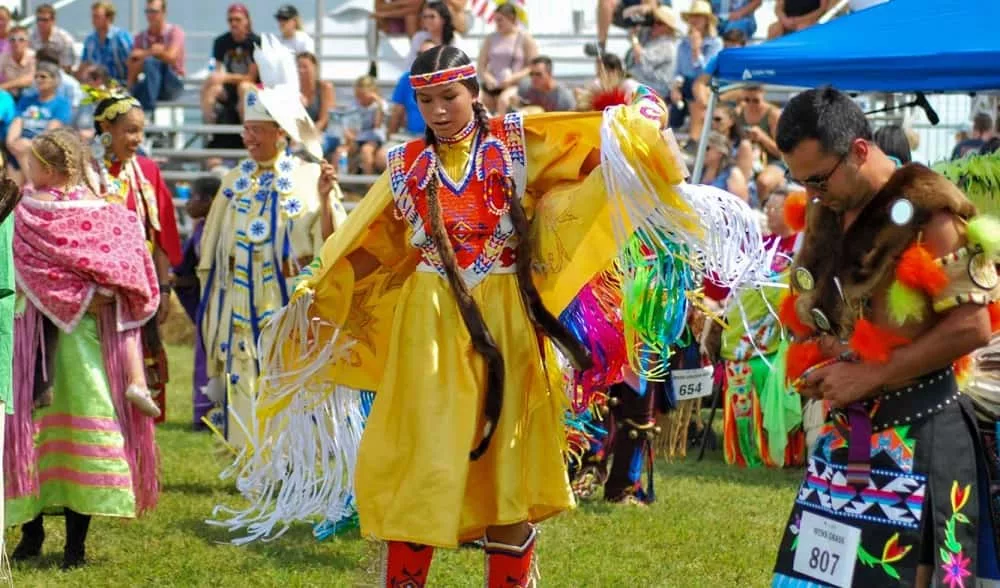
x: 963, y: 368
x: 794, y: 211
x: 918, y: 270
x: 801, y: 356
x: 789, y: 318
x: 994, y: 309
x: 874, y: 344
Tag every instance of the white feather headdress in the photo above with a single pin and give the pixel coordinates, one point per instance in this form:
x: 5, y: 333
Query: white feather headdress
x: 280, y: 96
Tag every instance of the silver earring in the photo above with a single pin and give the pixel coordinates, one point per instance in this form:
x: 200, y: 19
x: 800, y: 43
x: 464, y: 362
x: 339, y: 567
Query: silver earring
x: 106, y: 139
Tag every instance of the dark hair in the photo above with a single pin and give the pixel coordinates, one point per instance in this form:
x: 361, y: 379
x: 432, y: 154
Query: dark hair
x: 47, y: 54
x: 544, y: 60
x: 507, y: 9
x: 990, y: 146
x: 46, y: 9
x: 446, y: 57
x: 735, y: 134
x: 205, y: 187
x: 826, y: 115
x: 892, y: 140
x: 308, y: 56
x: 448, y: 28
x: 612, y: 63
x: 982, y: 123
x: 16, y: 28
x: 735, y: 36
x: 106, y: 104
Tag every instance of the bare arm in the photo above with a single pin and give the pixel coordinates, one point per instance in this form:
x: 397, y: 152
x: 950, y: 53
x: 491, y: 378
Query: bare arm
x: 14, y: 130
x: 396, y: 9
x: 20, y: 82
x: 737, y: 184
x: 530, y: 52
x: 746, y: 10
x: 396, y: 119
x: 326, y: 104
x: 482, y: 61
x: 380, y: 114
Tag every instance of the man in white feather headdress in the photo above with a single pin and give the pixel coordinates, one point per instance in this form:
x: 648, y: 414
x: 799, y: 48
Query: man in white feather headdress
x: 272, y: 215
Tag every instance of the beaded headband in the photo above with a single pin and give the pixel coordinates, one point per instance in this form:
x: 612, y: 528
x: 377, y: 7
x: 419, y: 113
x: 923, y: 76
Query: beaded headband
x: 445, y: 76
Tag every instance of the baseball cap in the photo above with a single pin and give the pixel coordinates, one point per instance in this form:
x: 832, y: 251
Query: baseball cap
x: 286, y: 12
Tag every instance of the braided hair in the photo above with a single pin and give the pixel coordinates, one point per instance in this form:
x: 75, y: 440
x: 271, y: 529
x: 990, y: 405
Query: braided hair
x: 445, y: 57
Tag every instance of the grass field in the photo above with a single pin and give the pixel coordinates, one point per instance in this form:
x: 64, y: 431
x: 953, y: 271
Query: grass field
x: 712, y: 526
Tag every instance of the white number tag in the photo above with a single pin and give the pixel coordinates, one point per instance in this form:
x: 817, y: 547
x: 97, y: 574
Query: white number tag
x: 694, y: 383
x: 827, y: 550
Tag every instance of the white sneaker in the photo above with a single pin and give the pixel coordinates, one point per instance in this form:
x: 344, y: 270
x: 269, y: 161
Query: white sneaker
x: 140, y: 397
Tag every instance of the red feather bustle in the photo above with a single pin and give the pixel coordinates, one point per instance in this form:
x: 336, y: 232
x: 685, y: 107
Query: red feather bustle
x: 801, y: 356
x: 874, y: 344
x: 605, y: 98
x: 918, y: 270
x: 962, y: 366
x: 789, y: 318
x: 794, y: 211
x: 994, y: 309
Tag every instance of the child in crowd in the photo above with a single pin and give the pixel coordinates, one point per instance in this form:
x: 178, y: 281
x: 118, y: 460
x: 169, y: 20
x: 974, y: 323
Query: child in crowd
x: 188, y: 287
x: 364, y: 144
x: 73, y: 251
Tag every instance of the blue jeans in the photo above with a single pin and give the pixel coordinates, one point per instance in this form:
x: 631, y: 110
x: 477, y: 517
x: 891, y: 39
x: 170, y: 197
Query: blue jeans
x: 160, y: 83
x: 747, y: 24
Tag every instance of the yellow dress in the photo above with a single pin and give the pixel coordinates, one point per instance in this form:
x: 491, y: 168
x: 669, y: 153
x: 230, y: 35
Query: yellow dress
x: 240, y: 292
x: 414, y: 480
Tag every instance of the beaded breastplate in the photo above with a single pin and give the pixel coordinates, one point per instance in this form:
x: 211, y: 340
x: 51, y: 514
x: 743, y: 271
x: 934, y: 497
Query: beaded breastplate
x: 475, y: 206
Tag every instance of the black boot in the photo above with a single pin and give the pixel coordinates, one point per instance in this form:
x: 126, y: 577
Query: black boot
x: 32, y: 537
x: 75, y: 553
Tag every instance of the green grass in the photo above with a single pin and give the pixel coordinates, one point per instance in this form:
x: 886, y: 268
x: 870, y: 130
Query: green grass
x: 712, y: 526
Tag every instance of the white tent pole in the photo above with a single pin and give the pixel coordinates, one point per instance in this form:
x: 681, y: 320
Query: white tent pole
x: 706, y: 128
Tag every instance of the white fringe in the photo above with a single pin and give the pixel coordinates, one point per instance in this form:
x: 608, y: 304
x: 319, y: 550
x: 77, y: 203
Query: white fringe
x: 298, y: 465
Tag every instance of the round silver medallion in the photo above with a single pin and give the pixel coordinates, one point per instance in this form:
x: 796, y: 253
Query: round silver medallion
x: 901, y: 212
x: 804, y: 279
x: 983, y: 272
x: 819, y: 318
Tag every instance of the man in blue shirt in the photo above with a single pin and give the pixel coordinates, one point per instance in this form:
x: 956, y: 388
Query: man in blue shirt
x: 108, y: 45
x: 404, y: 104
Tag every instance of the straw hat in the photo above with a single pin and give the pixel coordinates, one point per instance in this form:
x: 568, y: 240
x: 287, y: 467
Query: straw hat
x: 701, y: 8
x: 667, y: 16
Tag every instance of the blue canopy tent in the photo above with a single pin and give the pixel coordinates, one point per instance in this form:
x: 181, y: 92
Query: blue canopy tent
x: 899, y: 46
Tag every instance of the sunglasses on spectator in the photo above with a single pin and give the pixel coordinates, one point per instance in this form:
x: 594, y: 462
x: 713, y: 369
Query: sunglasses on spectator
x: 233, y: 19
x: 535, y: 74
x: 751, y: 100
x: 153, y: 11
x: 717, y: 119
x: 43, y: 19
x: 19, y: 39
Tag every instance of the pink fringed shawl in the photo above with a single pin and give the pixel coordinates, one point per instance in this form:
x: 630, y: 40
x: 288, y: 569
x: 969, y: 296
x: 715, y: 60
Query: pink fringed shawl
x: 65, y: 251
x: 48, y: 234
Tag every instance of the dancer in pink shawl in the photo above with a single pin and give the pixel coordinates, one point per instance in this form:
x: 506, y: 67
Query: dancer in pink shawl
x: 82, y: 265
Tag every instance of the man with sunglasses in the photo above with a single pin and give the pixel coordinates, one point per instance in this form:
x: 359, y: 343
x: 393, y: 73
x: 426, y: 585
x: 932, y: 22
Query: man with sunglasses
x: 49, y: 36
x: 889, y: 291
x: 156, y: 66
x: 17, y: 66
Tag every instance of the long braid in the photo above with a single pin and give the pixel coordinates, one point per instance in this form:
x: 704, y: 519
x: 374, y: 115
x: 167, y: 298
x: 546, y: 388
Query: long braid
x: 539, y: 315
x: 472, y: 316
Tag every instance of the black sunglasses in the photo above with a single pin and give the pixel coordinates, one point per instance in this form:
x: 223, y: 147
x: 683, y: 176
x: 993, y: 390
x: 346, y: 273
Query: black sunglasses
x: 818, y: 183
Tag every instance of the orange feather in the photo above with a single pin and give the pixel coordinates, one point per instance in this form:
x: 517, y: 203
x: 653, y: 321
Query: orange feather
x: 918, y: 270
x: 801, y: 356
x: 962, y: 365
x: 872, y: 343
x: 994, y: 309
x: 789, y: 318
x: 794, y: 211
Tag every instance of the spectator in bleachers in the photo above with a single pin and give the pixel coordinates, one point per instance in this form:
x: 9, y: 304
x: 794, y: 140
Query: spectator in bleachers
x: 543, y: 91
x: 720, y: 169
x: 436, y: 25
x: 318, y: 95
x: 796, y: 15
x: 405, y: 112
x: 893, y: 141
x: 158, y: 56
x: 108, y: 46
x: 69, y: 88
x: 8, y: 112
x: 625, y: 14
x: 232, y: 51
x: 96, y: 76
x: 292, y: 35
x: 982, y: 131
x: 49, y: 36
x: 504, y: 59
x: 17, y: 67
x: 37, y: 113
x: 725, y: 121
x: 5, y: 20
x: 759, y: 120
x: 737, y: 15
x: 700, y: 45
x: 403, y: 16
x: 652, y: 59
x: 363, y: 145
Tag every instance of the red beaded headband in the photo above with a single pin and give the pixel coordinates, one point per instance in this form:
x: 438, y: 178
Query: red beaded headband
x: 445, y: 76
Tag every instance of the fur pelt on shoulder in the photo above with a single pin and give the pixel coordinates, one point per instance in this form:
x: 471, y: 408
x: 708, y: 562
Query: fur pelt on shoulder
x: 861, y: 257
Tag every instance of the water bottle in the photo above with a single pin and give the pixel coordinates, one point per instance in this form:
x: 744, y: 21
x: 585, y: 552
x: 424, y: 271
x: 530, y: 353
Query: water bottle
x: 211, y: 66
x: 182, y: 190
x: 342, y: 163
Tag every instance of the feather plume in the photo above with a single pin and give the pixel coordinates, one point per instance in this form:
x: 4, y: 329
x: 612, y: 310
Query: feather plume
x: 874, y: 344
x: 918, y: 270
x: 983, y: 232
x: 794, y: 211
x: 790, y: 318
x: 800, y: 357
x: 280, y: 95
x: 905, y: 304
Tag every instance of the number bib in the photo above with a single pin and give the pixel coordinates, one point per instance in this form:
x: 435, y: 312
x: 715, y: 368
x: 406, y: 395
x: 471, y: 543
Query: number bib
x: 827, y: 550
x: 690, y: 384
